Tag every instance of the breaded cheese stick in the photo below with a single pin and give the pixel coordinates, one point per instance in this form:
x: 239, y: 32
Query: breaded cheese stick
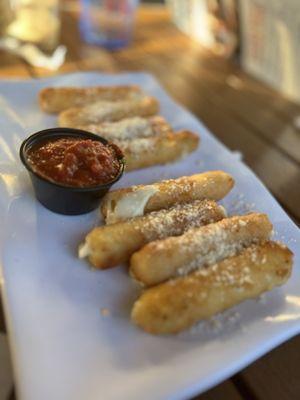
x: 57, y: 99
x: 110, y: 245
x: 129, y: 128
x: 121, y: 204
x: 177, y: 304
x: 164, y: 259
x: 146, y: 152
x: 102, y: 111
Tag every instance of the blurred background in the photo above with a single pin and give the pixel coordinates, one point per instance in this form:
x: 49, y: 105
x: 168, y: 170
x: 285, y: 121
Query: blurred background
x: 261, y: 35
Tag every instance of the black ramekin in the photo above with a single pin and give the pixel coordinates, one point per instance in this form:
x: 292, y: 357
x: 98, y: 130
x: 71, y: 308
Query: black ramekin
x: 59, y: 198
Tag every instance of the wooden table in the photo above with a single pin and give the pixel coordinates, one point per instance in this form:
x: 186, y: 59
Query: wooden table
x: 243, y: 113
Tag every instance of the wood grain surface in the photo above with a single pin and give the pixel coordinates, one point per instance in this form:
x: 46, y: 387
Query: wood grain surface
x: 243, y: 113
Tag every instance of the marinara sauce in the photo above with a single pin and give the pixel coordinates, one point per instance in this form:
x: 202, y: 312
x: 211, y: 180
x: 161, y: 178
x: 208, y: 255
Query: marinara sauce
x: 75, y: 162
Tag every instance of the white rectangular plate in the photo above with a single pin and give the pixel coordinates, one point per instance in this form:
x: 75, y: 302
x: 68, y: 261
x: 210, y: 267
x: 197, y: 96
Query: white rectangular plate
x: 63, y: 348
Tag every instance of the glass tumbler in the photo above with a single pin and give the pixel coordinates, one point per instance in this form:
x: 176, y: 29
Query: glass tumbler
x: 108, y: 23
x: 36, y: 22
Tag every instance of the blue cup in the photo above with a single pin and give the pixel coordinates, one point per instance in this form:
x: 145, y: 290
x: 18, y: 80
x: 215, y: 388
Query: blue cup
x: 108, y: 23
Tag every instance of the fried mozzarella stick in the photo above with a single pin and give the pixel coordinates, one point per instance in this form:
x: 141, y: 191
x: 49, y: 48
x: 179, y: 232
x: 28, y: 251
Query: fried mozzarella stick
x: 177, y: 304
x: 121, y: 204
x: 129, y: 128
x: 146, y: 152
x: 110, y: 245
x: 57, y: 99
x: 102, y: 111
x: 164, y: 259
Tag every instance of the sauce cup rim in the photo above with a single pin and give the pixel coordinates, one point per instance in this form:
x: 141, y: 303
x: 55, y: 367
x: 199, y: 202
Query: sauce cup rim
x: 67, y: 132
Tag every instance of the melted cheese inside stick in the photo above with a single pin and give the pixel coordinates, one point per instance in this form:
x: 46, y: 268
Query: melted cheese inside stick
x: 132, y: 205
x: 119, y: 205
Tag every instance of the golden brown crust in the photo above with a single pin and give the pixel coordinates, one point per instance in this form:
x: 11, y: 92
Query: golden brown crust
x: 178, y: 304
x: 129, y: 128
x: 110, y: 245
x: 57, y: 99
x: 142, y: 153
x: 213, y: 185
x: 164, y: 259
x: 102, y: 111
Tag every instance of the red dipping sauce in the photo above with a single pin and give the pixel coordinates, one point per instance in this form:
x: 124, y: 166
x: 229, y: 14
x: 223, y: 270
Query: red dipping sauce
x: 75, y: 162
